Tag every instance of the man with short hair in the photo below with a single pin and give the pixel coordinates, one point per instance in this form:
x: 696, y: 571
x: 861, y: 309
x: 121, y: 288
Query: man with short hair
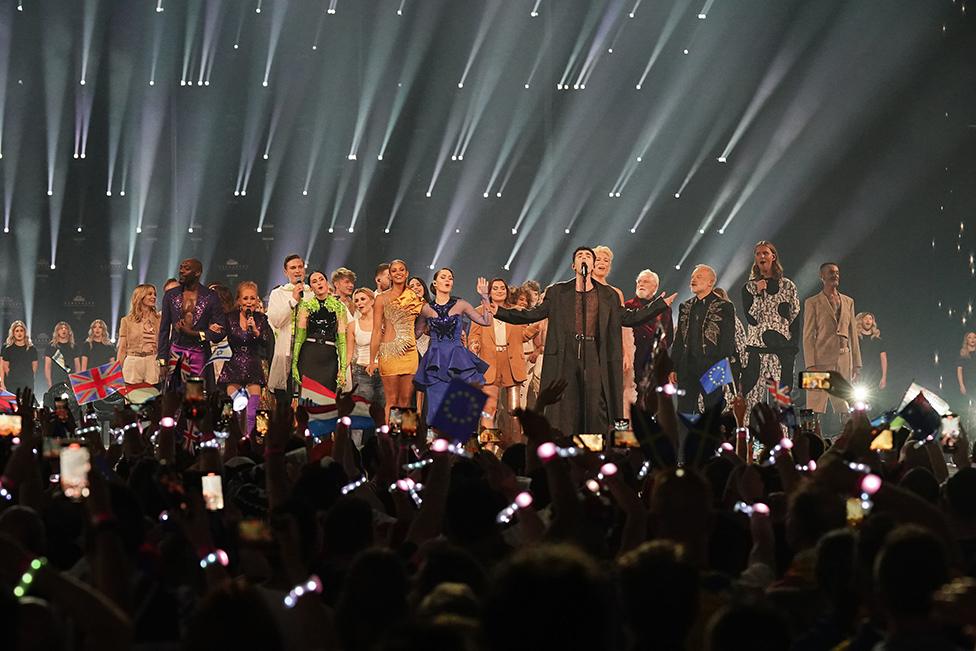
x: 382, y: 277
x: 705, y: 335
x: 639, y: 345
x: 830, y: 341
x: 282, y: 312
x: 583, y: 346
x: 344, y: 284
x: 192, y: 318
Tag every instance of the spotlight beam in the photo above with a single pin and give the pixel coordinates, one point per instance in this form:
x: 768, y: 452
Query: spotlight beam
x: 670, y: 25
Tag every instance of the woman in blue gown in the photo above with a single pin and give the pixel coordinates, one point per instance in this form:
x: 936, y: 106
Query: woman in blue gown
x: 447, y: 358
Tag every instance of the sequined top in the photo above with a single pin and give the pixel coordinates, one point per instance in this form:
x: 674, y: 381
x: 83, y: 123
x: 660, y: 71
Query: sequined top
x: 445, y: 326
x: 401, y: 312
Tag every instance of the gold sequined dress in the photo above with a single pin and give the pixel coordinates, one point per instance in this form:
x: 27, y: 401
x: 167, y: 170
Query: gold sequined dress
x: 399, y: 355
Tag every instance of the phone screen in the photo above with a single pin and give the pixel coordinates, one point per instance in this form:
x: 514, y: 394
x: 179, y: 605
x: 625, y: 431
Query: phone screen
x: 815, y: 380
x: 261, y: 420
x: 625, y: 439
x: 592, y: 442
x: 75, y: 464
x: 408, y: 424
x: 194, y: 388
x: 396, y: 419
x: 808, y: 420
x: 213, y: 492
x: 9, y: 425
x: 621, y: 424
x: 855, y: 511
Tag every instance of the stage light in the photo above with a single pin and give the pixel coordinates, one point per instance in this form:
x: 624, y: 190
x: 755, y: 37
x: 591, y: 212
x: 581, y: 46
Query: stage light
x: 75, y: 156
x: 526, y: 85
x: 206, y: 83
x: 428, y: 195
x: 582, y: 86
x: 189, y: 230
x: 257, y: 10
x: 182, y: 82
x: 122, y: 193
x: 265, y: 83
x: 701, y: 16
x: 53, y: 267
x: 159, y: 7
x: 152, y: 82
x: 860, y: 393
x: 108, y: 193
x: 609, y: 50
x: 258, y: 229
x: 431, y: 267
x: 485, y: 195
x: 331, y: 11
x: 82, y: 82
x: 460, y: 84
x: 350, y: 229
x: 684, y: 51
x: 304, y: 193
x: 638, y: 86
x: 453, y: 157
x: 533, y: 14
x: 514, y: 231
x: 237, y: 193
x: 50, y: 193
x: 386, y: 230
x: 640, y: 159
x: 243, y: 193
x: 138, y: 229
x: 498, y: 194
x: 331, y: 230
x: 399, y: 12
x: 505, y: 267
x: 575, y: 86
x: 559, y: 86
x: 82, y: 154
x: 79, y: 229
x: 701, y: 231
x: 633, y: 231
x: 677, y: 195
x: 457, y: 230
x: 617, y: 195
x: 566, y: 231
x: 677, y: 267
x: 235, y: 46
x: 460, y: 156
x: 6, y: 229
x: 199, y: 82
x: 722, y: 159
x: 611, y: 195
x: 721, y: 231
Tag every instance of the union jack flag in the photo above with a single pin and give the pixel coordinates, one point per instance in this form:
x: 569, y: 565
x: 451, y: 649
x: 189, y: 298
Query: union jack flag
x: 8, y: 401
x: 181, y: 362
x: 780, y: 395
x: 97, y: 383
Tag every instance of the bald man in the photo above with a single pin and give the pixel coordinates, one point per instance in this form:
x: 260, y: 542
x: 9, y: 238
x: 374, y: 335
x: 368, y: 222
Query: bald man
x: 192, y: 318
x: 705, y: 334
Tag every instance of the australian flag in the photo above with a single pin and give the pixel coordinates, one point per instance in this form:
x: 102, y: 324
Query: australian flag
x: 460, y: 410
x: 718, y: 376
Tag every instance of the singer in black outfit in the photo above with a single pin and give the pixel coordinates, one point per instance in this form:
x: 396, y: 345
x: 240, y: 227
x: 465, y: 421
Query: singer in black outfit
x: 584, y: 346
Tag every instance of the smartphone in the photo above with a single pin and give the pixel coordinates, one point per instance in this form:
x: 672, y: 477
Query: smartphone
x: 621, y: 424
x: 194, y: 388
x: 254, y: 531
x: 855, y: 511
x: 950, y: 431
x: 9, y: 425
x: 261, y: 420
x: 408, y: 424
x: 624, y: 439
x: 807, y: 420
x: 815, y: 380
x: 788, y: 417
x: 75, y: 464
x: 396, y: 419
x: 592, y: 442
x: 226, y: 413
x: 213, y: 492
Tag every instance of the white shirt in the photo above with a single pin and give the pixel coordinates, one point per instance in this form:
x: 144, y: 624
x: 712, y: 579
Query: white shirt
x: 501, y: 338
x: 281, y: 312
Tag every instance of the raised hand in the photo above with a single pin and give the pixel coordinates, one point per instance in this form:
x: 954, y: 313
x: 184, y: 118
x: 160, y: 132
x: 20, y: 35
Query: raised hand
x: 668, y: 300
x: 550, y: 394
x: 483, y: 287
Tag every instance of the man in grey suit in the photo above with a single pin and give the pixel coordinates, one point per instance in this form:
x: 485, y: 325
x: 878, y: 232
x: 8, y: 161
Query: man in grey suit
x: 584, y: 346
x: 830, y: 338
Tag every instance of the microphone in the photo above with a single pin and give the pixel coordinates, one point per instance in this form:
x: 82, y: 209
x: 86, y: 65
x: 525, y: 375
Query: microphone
x: 584, y: 269
x: 247, y: 315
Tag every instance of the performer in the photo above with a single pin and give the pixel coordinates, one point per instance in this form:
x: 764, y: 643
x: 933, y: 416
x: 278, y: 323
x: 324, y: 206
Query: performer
x: 320, y: 336
x: 639, y: 341
x: 382, y: 277
x: 192, y: 318
x: 705, y: 335
x: 282, y: 311
x: 602, y: 267
x: 830, y: 340
x: 874, y: 357
x: 583, y: 346
x: 138, y: 337
x: 772, y: 305
x: 416, y: 285
x: 501, y: 347
x: 447, y: 358
x: 18, y: 360
x: 344, y: 282
x: 966, y: 375
x: 359, y: 332
x: 99, y: 349
x: 394, y: 342
x: 250, y: 339
x: 62, y: 356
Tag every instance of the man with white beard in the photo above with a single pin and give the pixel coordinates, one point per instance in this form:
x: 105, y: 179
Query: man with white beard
x: 638, y: 346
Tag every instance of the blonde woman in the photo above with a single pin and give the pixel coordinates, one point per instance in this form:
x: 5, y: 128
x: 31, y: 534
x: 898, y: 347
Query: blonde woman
x: 18, y: 360
x: 252, y: 344
x: 874, y: 358
x: 138, y: 337
x: 98, y: 348
x: 62, y: 355
x: 966, y: 369
x: 359, y: 335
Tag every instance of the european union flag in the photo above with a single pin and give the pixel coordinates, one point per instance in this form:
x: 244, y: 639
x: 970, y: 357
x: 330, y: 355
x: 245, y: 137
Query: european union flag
x: 717, y: 376
x: 460, y: 411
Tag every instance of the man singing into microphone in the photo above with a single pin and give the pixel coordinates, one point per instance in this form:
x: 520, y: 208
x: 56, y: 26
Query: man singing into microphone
x: 583, y: 346
x: 282, y: 311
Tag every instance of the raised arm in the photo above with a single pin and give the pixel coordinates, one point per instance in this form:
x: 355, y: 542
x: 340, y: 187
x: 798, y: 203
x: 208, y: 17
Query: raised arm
x: 485, y: 316
x: 525, y: 317
x: 632, y: 318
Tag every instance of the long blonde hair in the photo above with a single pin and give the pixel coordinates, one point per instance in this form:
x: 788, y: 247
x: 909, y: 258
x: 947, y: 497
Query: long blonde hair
x: 964, y: 351
x: 71, y: 334
x: 136, y: 310
x: 875, y: 332
x: 10, y: 333
x: 91, y: 332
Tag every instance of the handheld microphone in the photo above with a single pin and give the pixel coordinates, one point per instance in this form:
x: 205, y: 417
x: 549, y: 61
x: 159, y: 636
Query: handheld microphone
x: 584, y: 269
x: 247, y: 315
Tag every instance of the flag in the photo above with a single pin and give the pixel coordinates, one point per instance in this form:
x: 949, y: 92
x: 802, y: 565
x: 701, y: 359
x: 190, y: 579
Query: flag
x: 137, y: 394
x: 58, y: 358
x: 97, y: 383
x: 921, y: 416
x: 181, y: 362
x: 221, y: 352
x: 323, y: 415
x: 460, y: 410
x: 781, y: 397
x: 8, y: 401
x: 716, y: 377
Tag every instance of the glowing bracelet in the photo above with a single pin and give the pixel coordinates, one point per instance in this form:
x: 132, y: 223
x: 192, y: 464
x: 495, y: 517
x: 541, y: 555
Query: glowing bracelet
x: 783, y: 445
x: 725, y: 447
x: 410, y: 487
x: 167, y: 422
x: 443, y: 445
x: 353, y: 485
x: 312, y: 585
x: 869, y: 485
x: 417, y: 465
x: 522, y: 501
x: 758, y: 507
x: 548, y: 450
x: 608, y: 469
x: 810, y: 467
x: 216, y: 556
x: 27, y: 579
x: 644, y: 470
x: 670, y: 390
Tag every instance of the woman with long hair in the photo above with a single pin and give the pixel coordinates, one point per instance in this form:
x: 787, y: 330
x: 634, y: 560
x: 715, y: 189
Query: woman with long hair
x: 98, y: 349
x: 250, y: 339
x: 320, y: 336
x: 447, y: 358
x: 18, y: 360
x: 771, y: 305
x: 393, y: 345
x: 500, y: 346
x: 138, y: 337
x: 966, y: 368
x: 62, y: 355
x: 417, y: 286
x: 359, y: 333
x: 874, y: 358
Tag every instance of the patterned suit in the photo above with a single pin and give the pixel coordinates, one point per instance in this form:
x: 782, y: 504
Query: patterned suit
x: 705, y: 334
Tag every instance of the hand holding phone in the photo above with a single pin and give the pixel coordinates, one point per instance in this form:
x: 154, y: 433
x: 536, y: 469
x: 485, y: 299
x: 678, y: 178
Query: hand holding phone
x: 75, y: 465
x: 213, y: 492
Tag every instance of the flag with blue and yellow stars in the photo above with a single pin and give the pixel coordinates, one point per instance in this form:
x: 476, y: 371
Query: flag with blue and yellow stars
x: 460, y: 411
x: 718, y: 376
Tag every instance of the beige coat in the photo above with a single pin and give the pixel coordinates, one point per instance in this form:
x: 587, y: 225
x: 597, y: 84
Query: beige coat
x: 829, y: 343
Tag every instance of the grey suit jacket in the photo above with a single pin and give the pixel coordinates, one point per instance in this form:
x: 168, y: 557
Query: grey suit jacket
x: 829, y: 343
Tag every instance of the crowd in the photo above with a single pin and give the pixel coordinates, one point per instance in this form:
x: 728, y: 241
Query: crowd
x: 195, y: 528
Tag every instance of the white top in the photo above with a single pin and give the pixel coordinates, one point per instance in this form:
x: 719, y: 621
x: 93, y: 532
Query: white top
x: 501, y: 338
x: 281, y: 311
x: 363, y: 338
